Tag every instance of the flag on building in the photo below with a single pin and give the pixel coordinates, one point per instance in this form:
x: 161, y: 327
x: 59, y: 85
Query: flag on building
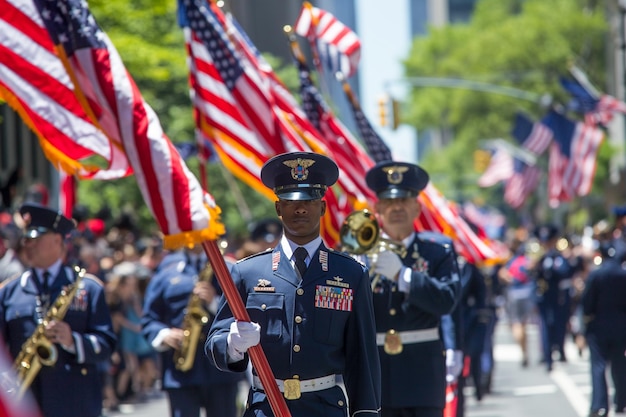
x: 597, y: 108
x: 63, y: 75
x: 500, y: 168
x: 536, y: 137
x: 573, y: 153
x: 521, y: 184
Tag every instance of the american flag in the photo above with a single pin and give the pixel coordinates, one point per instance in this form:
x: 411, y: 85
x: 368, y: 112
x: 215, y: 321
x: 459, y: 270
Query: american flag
x: 572, y: 164
x: 220, y: 115
x: 500, y: 168
x: 65, y: 77
x: 248, y: 91
x: 522, y: 183
x: 597, y: 108
x: 536, y: 137
x: 338, y: 47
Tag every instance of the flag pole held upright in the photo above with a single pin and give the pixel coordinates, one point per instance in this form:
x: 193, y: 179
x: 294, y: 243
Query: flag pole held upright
x: 257, y: 356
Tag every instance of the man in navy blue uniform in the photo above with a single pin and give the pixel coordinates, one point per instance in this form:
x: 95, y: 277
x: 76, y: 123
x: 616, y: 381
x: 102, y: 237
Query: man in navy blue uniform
x: 417, y: 290
x: 604, y: 310
x: 553, y: 275
x: 82, y: 339
x: 310, y: 307
x: 202, y: 386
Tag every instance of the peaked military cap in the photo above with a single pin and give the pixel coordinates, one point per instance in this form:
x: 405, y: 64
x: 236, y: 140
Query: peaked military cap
x: 299, y: 175
x: 389, y: 179
x: 40, y: 220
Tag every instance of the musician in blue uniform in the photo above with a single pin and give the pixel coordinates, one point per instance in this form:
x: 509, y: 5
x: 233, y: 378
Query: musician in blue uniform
x: 553, y: 274
x: 310, y: 306
x: 166, y: 304
x: 417, y: 290
x: 604, y: 311
x: 82, y: 339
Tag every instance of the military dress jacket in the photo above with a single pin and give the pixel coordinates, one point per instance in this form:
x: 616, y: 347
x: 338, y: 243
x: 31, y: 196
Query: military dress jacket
x: 311, y: 328
x: 604, y: 301
x: 551, y: 273
x: 72, y: 386
x: 165, y: 306
x: 416, y: 377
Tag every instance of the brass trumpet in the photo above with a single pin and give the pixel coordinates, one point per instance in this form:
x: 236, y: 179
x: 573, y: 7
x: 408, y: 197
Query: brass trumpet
x: 360, y: 235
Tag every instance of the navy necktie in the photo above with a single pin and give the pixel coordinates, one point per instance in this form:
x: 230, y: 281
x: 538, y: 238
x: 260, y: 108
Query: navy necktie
x: 46, y: 282
x: 300, y: 254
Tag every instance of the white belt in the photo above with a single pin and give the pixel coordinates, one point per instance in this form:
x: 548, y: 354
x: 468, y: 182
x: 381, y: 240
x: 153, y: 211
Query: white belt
x: 307, y: 385
x: 411, y: 336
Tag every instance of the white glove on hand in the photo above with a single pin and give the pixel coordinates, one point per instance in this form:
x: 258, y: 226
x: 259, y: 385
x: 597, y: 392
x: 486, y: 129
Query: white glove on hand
x: 242, y: 336
x: 454, y: 365
x: 388, y: 264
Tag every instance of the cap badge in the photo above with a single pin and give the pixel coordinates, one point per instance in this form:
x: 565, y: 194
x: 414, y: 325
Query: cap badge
x: 395, y: 174
x: 299, y: 171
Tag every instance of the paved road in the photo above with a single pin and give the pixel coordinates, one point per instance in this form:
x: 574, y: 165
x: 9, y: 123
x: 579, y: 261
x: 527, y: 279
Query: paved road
x: 516, y: 391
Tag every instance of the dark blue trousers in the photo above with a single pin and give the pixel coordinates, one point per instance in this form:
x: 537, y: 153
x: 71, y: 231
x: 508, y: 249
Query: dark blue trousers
x: 603, y: 351
x: 219, y: 400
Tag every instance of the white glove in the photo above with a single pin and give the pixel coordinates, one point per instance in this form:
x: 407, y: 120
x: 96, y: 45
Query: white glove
x: 388, y: 264
x: 454, y: 365
x: 242, y: 336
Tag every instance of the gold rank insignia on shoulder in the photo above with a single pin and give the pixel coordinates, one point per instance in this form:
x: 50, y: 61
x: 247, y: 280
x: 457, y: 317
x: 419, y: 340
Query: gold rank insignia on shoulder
x: 395, y: 173
x: 264, y: 286
x: 299, y: 171
x: 337, y: 282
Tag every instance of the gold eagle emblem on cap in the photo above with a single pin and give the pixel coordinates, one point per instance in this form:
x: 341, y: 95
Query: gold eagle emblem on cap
x: 395, y: 173
x: 299, y: 171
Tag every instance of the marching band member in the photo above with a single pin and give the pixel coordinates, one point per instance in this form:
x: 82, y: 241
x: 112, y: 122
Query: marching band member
x: 81, y: 340
x: 310, y: 306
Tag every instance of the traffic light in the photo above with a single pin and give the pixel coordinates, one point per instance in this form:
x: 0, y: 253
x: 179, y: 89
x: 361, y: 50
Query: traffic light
x: 382, y: 110
x: 395, y: 113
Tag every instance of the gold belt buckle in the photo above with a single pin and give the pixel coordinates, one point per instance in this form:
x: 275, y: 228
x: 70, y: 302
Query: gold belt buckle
x: 393, y: 343
x: 292, y: 389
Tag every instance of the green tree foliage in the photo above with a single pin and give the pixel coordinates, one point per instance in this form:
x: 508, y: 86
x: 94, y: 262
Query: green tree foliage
x: 526, y: 45
x: 151, y: 44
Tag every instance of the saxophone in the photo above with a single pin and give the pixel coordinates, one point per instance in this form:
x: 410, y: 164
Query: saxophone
x: 37, y: 350
x: 195, y: 319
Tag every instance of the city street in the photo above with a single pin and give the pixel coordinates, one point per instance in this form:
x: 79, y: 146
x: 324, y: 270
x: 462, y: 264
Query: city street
x: 516, y: 391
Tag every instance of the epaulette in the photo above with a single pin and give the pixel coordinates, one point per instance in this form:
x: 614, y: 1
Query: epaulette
x: 336, y: 252
x: 254, y: 255
x: 428, y: 236
x: 94, y: 278
x: 10, y: 279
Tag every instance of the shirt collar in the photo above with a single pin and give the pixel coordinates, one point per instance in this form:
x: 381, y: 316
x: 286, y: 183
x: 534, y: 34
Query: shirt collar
x: 288, y: 246
x: 53, y: 269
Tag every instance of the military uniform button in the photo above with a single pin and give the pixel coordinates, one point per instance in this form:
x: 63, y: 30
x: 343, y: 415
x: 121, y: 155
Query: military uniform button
x: 340, y: 403
x: 298, y: 319
x: 296, y: 348
x: 392, y: 312
x: 296, y: 376
x: 263, y: 306
x: 300, y: 291
x: 83, y: 371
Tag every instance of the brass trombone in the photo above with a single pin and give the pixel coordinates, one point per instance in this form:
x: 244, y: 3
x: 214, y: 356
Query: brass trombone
x: 360, y: 235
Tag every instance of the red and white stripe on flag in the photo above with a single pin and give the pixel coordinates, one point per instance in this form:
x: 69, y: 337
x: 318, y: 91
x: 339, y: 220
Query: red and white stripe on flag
x: 342, y: 44
x: 106, y: 115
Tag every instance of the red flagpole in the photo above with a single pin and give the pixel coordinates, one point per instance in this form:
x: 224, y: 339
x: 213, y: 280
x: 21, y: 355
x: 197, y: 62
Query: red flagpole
x: 259, y: 360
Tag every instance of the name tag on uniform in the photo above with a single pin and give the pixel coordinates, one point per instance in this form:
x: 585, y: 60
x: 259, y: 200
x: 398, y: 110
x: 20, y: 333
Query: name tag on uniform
x: 334, y: 298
